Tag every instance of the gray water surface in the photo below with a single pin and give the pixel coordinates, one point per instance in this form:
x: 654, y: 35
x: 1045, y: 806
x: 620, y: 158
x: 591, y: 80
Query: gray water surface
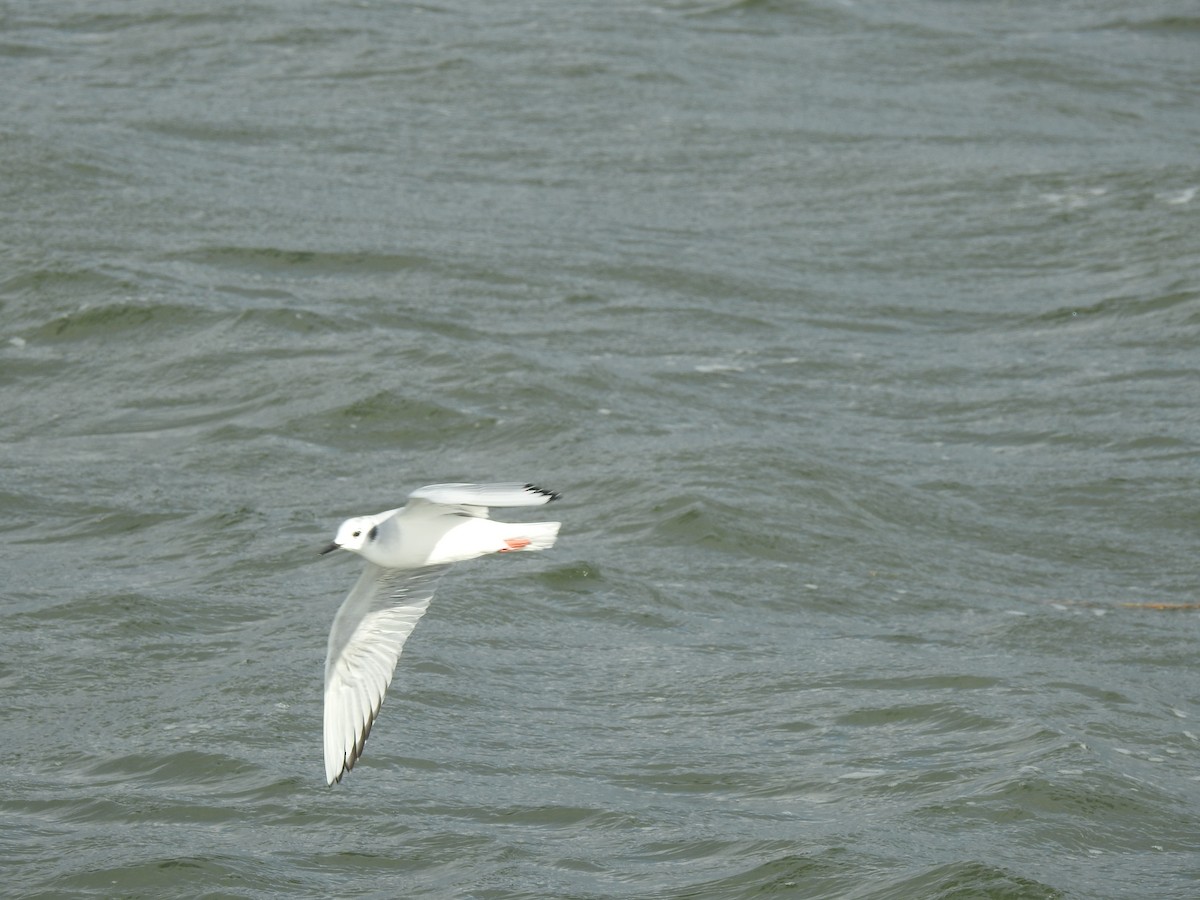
x: 860, y: 337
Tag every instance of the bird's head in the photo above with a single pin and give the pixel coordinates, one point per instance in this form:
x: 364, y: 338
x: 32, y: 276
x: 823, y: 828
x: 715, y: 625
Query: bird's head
x: 354, y: 534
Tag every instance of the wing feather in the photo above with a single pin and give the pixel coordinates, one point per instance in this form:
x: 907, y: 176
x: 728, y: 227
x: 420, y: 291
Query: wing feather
x: 368, y: 634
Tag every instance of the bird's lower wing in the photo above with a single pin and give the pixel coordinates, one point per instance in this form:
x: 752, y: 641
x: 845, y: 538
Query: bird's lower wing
x: 368, y: 634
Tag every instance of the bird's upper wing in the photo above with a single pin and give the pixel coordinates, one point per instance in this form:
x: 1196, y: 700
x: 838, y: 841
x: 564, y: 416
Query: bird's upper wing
x: 368, y: 634
x: 474, y: 499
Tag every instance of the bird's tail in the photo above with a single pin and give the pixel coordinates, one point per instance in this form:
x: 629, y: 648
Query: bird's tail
x: 531, y: 536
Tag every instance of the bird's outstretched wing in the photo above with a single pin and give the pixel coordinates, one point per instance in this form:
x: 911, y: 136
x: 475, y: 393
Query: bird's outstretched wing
x: 368, y: 634
x: 484, y: 495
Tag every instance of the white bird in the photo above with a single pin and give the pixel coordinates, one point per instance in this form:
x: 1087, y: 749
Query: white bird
x: 407, y: 550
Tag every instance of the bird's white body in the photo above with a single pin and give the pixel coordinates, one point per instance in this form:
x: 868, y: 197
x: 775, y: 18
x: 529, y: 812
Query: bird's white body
x: 407, y: 550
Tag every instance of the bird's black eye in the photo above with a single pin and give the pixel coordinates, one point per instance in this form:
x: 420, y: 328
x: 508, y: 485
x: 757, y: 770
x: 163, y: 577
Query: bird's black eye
x: 356, y: 534
x: 373, y: 533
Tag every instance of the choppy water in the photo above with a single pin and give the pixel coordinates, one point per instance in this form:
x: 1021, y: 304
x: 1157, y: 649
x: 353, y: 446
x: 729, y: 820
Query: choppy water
x: 861, y: 337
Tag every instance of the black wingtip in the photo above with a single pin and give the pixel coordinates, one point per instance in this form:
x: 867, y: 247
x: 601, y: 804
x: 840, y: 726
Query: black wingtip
x: 549, y: 495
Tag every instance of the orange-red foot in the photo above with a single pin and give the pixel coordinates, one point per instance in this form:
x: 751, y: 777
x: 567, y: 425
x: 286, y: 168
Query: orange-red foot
x: 515, y: 544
